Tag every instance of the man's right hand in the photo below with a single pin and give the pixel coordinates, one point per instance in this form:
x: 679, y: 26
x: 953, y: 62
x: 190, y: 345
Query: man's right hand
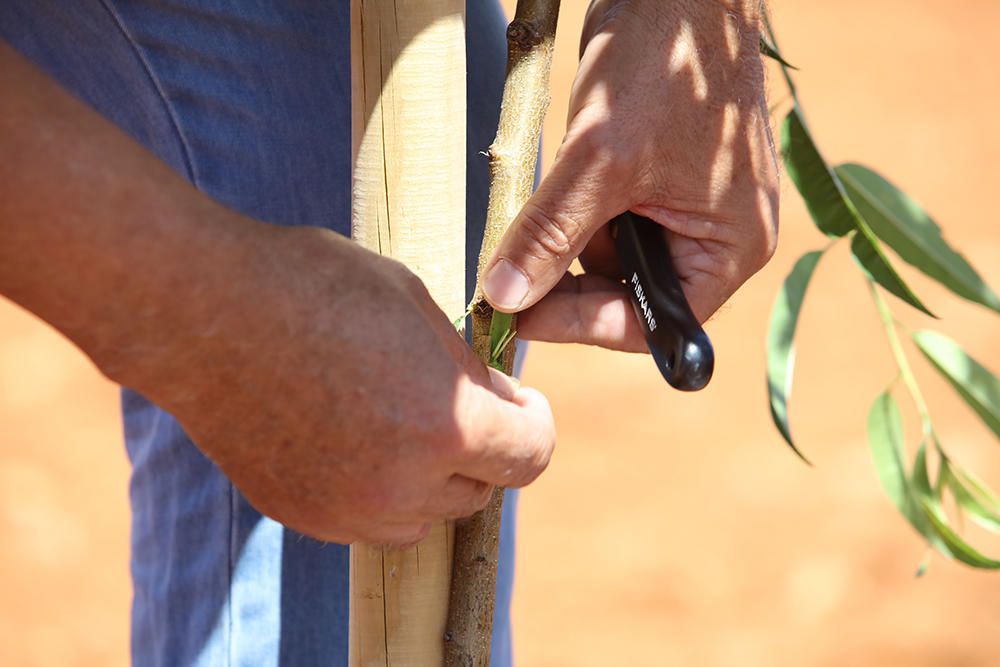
x: 342, y: 402
x: 319, y: 376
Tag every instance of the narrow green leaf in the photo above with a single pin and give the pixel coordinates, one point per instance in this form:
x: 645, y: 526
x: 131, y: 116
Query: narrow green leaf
x: 501, y: 335
x: 978, y: 487
x: 920, y: 487
x: 941, y: 536
x: 868, y: 252
x: 920, y: 479
x: 781, y: 342
x: 820, y: 188
x: 831, y: 209
x: 885, y: 437
x: 973, y: 382
x: 981, y: 508
x: 954, y: 545
x: 459, y: 322
x: 768, y: 50
x: 902, y: 224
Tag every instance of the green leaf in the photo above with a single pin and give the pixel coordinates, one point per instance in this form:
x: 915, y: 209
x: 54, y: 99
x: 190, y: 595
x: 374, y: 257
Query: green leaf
x: 977, y: 487
x: 868, y: 252
x: 781, y: 340
x: 501, y: 334
x: 904, y: 226
x: 921, y: 481
x: 974, y: 383
x: 771, y: 52
x: 920, y: 490
x: 950, y: 543
x: 973, y: 497
x: 821, y: 190
x: 941, y: 536
x: 459, y: 322
x: 916, y: 498
x: 885, y: 437
x: 831, y: 209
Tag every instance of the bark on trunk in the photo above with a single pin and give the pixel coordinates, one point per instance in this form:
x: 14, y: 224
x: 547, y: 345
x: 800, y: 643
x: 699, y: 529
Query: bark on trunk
x: 513, y: 157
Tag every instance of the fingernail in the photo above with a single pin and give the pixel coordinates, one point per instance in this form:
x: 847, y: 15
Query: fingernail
x: 505, y: 285
x: 504, y: 385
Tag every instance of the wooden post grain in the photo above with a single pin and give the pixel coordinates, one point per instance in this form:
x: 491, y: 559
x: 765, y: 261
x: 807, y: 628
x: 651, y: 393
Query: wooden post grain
x: 408, y: 99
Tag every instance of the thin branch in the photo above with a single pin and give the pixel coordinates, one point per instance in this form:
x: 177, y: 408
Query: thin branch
x: 513, y: 157
x: 905, y: 371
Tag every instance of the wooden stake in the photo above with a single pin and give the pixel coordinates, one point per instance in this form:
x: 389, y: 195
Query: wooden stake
x: 513, y: 157
x: 408, y: 98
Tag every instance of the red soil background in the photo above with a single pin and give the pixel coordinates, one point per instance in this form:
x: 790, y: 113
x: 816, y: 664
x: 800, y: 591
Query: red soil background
x: 669, y: 529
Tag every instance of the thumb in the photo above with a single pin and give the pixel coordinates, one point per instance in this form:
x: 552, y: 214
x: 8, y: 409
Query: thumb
x: 551, y: 230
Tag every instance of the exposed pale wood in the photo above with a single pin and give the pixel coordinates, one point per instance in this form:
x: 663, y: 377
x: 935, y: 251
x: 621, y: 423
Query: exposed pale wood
x: 513, y: 157
x: 408, y: 86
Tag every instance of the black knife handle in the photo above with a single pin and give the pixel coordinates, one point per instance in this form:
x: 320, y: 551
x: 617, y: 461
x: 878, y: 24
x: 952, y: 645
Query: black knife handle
x: 680, y: 347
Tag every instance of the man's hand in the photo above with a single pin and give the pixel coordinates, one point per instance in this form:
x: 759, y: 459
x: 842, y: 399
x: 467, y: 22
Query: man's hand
x: 320, y: 377
x: 667, y: 118
x: 340, y: 399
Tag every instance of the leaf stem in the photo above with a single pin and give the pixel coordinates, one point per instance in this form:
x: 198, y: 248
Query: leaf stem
x: 902, y: 363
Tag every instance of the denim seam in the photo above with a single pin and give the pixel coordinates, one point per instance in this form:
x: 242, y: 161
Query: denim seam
x: 158, y: 87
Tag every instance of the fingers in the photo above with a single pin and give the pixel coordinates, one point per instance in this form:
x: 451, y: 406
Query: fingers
x: 504, y: 385
x: 396, y: 533
x: 712, y: 256
x: 399, y: 536
x: 509, y: 442
x: 457, y: 497
x: 552, y: 229
x: 460, y: 497
x: 709, y: 272
x: 589, y: 309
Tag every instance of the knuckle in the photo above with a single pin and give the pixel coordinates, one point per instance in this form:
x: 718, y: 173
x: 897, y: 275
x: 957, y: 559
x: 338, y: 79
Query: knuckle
x: 535, y: 464
x: 547, y: 235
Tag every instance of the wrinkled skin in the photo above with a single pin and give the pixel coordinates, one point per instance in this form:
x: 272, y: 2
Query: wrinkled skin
x: 667, y: 118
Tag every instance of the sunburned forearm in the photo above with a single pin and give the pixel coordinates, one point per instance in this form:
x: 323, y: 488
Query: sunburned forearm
x: 99, y: 238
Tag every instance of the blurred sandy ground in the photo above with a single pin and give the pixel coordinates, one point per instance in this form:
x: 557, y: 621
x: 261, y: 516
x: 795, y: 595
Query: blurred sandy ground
x: 670, y: 529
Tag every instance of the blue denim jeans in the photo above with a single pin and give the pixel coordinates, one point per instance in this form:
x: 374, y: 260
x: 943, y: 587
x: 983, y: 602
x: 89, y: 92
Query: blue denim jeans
x: 250, y: 101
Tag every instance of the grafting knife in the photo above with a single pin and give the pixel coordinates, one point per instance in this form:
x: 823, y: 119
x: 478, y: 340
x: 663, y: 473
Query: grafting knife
x: 680, y: 347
